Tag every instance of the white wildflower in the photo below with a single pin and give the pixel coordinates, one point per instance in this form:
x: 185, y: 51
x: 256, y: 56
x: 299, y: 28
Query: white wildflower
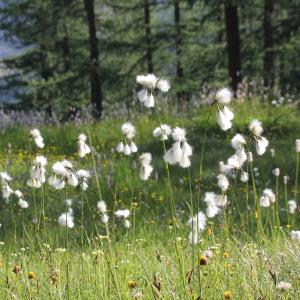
x: 122, y: 213
x: 198, y: 221
x: 283, y: 286
x: 297, y: 145
x: 292, y: 205
x: 224, y: 96
x: 276, y: 172
x: 83, y: 148
x: 163, y: 131
x: 223, y: 121
x: 267, y: 198
x: 37, y: 138
x: 261, y: 145
x: 256, y: 128
x: 66, y: 219
x: 295, y: 235
x: 82, y: 177
x: 244, y: 176
x: 238, y: 141
x: 223, y: 182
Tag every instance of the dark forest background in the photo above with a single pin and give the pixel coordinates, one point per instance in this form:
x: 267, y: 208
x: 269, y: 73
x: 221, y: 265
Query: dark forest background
x: 70, y: 53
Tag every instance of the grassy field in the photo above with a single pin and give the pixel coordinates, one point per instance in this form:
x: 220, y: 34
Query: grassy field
x: 244, y: 252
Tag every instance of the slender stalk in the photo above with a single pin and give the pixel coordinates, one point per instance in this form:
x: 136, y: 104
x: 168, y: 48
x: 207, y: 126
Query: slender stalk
x: 286, y: 204
x: 204, y: 143
x: 168, y: 173
x: 296, y: 176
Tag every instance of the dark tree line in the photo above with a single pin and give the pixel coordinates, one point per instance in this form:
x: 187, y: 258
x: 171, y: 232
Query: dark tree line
x: 75, y: 50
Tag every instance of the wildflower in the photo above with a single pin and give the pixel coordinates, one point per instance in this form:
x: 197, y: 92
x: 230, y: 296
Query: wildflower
x: 297, y: 144
x: 37, y: 138
x: 227, y: 295
x: 5, y: 188
x: 163, y: 131
x: 267, y: 198
x: 250, y: 156
x: 124, y: 214
x: 292, y: 205
x: 283, y: 286
x: 181, y: 151
x: 224, y: 96
x: 272, y: 152
x: 38, y: 172
x: 198, y: 221
x: 102, y: 208
x: 132, y: 284
x: 224, y: 168
x: 285, y: 180
x: 261, y: 145
x: 244, y: 176
x: 101, y: 205
x: 163, y: 85
x: 222, y: 200
x: 238, y: 141
x: 66, y: 219
x: 226, y: 254
x: 127, y: 224
x: 256, y: 128
x: 151, y: 82
x: 63, y: 174
x: 203, y: 260
x: 223, y: 121
x: 104, y: 218
x: 21, y: 202
x: 276, y: 172
x: 211, y: 200
x: 82, y: 177
x: 31, y: 275
x: 223, y: 182
x: 146, y: 168
x: 82, y: 147
x: 120, y: 147
x: 129, y: 131
x: 68, y: 202
x: 295, y: 235
x: 237, y: 160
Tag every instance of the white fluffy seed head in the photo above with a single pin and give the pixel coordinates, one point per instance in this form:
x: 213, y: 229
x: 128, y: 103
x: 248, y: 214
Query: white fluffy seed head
x: 297, y: 144
x: 101, y: 205
x: 82, y: 137
x: 261, y: 145
x: 238, y: 141
x: 163, y: 85
x: 276, y: 172
x: 223, y: 121
x: 224, y: 96
x: 292, y: 205
x: 178, y: 134
x: 256, y: 127
x: 149, y: 81
x: 128, y: 130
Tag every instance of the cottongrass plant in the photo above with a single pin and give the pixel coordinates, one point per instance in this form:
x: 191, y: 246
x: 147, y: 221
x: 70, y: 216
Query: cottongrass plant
x: 219, y: 203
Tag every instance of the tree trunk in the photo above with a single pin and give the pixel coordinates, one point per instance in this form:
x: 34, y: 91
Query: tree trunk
x: 233, y: 44
x: 96, y: 93
x: 268, y: 44
x: 178, y: 46
x: 148, y: 36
